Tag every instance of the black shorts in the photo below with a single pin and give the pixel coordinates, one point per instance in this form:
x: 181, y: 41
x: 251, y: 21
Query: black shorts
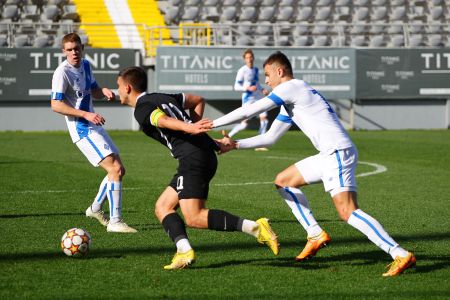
x: 194, y: 174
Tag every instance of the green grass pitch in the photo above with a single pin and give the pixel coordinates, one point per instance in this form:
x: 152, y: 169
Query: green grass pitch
x: 46, y: 185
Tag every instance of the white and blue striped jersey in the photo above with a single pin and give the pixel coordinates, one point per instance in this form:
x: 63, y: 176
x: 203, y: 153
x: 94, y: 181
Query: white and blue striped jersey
x: 309, y: 110
x: 246, y: 77
x: 300, y: 104
x: 74, y: 85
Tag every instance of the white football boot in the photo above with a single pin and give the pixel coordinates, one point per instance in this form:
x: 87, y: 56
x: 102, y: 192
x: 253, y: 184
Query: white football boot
x: 120, y: 226
x: 99, y: 215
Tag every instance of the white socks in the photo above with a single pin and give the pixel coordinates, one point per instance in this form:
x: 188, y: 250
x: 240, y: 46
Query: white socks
x: 263, y: 126
x: 300, y: 208
x: 101, y: 196
x: 183, y: 245
x: 250, y: 227
x: 376, y: 233
x: 114, y: 193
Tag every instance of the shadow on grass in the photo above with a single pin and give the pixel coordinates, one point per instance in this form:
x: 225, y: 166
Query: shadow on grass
x: 426, y: 263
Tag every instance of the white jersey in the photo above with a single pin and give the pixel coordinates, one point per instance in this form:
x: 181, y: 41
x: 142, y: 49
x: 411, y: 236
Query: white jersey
x: 312, y: 114
x: 74, y: 85
x: 301, y: 104
x: 246, y: 77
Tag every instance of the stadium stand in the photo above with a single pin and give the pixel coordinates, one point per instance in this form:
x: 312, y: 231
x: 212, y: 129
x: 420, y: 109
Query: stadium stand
x: 300, y: 23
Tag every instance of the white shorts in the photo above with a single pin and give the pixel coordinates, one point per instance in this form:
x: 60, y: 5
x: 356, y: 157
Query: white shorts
x: 96, y: 146
x: 250, y: 101
x: 336, y: 170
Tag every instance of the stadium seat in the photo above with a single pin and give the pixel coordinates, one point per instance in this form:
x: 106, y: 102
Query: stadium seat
x: 435, y: 40
x: 3, y: 40
x: 434, y: 28
x: 342, y: 3
x: 51, y: 12
x: 229, y: 13
x: 303, y: 14
x: 361, y: 3
x: 436, y: 14
x: 192, y: 3
x: 253, y: 3
x: 243, y: 40
x: 215, y: 3
x: 282, y: 41
x: 269, y: 3
x: 358, y: 41
x: 190, y: 14
x: 416, y: 40
x: 378, y: 13
x: 302, y: 41
x: 338, y: 41
x: 30, y: 12
x: 21, y: 40
x: 285, y: 14
x: 289, y: 3
x: 398, y: 13
x: 320, y: 28
x: 379, y: 3
x: 266, y: 13
x: 323, y: 13
x: 360, y: 14
x: 305, y: 2
x: 397, y: 2
x: 377, y: 41
x: 11, y: 12
x: 245, y: 27
x: 263, y: 40
x: 172, y: 15
x: 301, y: 29
x: 42, y: 41
x: 210, y: 13
x: 342, y: 13
x: 69, y: 11
x: 248, y: 13
x: 230, y: 3
x: 417, y: 26
x: 176, y: 3
x: 321, y: 41
x: 264, y: 28
x: 323, y: 3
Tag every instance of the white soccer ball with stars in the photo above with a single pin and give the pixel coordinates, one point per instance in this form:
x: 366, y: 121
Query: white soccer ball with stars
x: 76, y: 242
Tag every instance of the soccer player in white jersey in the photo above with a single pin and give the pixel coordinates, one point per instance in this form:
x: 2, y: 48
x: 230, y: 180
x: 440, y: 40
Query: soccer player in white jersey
x: 72, y: 86
x: 334, y: 165
x: 247, y: 81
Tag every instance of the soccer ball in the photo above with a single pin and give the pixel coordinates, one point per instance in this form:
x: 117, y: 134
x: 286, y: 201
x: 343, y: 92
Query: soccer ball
x: 76, y: 242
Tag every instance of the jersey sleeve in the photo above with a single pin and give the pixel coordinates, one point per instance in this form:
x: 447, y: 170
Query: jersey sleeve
x: 59, y: 85
x: 239, y: 81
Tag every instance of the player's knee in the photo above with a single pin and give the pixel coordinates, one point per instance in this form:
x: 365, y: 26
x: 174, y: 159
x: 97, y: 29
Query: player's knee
x: 193, y: 221
x: 280, y: 181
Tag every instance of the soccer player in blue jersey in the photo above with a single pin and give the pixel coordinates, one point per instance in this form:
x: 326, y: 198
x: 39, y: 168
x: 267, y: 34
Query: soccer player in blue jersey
x: 72, y: 86
x: 334, y: 165
x: 247, y: 82
x: 174, y: 120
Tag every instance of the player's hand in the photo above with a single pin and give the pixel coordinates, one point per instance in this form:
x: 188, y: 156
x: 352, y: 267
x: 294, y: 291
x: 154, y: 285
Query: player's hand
x: 252, y: 88
x: 109, y: 95
x: 95, y: 118
x: 265, y: 92
x: 226, y: 144
x: 201, y: 126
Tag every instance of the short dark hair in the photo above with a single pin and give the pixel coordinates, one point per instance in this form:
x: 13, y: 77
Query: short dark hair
x: 280, y: 59
x: 71, y: 37
x: 136, y: 77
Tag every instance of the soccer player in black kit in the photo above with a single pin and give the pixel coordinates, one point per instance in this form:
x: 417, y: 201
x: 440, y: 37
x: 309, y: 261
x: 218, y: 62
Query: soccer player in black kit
x: 163, y: 117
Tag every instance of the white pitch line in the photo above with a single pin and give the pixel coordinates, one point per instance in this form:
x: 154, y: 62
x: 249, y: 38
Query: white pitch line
x: 378, y: 169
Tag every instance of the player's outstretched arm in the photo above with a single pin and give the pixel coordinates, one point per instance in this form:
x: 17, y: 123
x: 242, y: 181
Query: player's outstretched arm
x: 275, y: 132
x: 226, y: 143
x: 245, y: 112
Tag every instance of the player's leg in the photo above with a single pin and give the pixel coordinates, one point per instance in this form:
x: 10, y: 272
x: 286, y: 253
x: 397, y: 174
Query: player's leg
x: 95, y: 209
x: 239, y: 127
x: 345, y: 200
x: 198, y: 216
x: 165, y: 211
x: 115, y: 169
x: 287, y: 183
x: 263, y: 123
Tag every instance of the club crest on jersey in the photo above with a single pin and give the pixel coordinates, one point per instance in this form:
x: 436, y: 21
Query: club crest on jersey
x: 106, y: 146
x: 79, y: 94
